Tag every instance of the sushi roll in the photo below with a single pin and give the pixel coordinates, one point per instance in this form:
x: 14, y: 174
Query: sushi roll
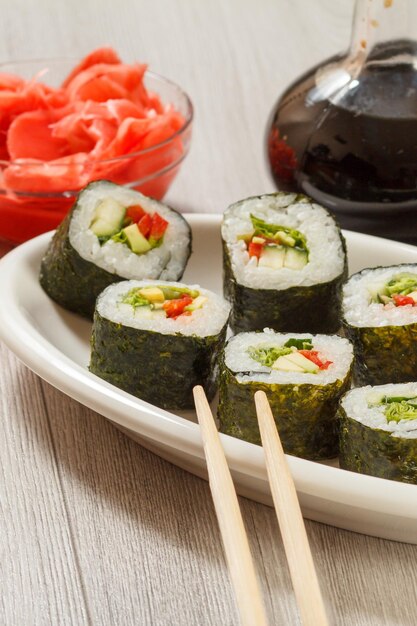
x: 157, y: 340
x: 303, y: 376
x: 380, y: 318
x: 284, y: 264
x: 378, y: 431
x: 112, y: 233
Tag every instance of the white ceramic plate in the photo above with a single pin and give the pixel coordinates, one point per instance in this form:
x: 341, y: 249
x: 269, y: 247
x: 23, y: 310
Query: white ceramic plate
x: 55, y: 345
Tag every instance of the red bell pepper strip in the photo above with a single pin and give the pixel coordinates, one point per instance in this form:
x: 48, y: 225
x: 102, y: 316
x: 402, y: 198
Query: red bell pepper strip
x: 255, y: 249
x: 174, y: 308
x: 135, y: 213
x: 313, y: 356
x: 402, y: 300
x: 145, y: 224
x: 158, y: 228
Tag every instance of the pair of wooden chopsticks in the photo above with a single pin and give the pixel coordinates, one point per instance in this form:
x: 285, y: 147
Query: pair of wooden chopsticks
x: 235, y: 541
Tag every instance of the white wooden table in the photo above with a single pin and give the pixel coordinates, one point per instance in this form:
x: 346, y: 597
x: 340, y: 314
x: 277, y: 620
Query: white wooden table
x: 93, y: 528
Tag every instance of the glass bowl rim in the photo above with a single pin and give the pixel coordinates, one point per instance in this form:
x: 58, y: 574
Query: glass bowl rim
x: 70, y: 193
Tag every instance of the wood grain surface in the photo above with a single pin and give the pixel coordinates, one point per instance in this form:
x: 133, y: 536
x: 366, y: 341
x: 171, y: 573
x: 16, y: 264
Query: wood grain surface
x: 95, y: 529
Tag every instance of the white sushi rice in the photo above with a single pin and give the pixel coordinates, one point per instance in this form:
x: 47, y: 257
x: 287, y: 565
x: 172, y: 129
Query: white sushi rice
x: 204, y: 322
x: 355, y: 403
x: 326, y: 255
x: 358, y: 310
x: 166, y: 261
x: 332, y: 348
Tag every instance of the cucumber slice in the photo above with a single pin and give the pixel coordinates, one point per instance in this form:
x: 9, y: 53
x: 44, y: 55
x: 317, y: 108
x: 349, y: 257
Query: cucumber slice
x: 143, y: 312
x: 295, y: 259
x: 108, y: 218
x: 383, y: 299
x: 376, y: 290
x: 148, y: 313
x: 137, y: 242
x: 413, y: 295
x: 375, y: 398
x: 273, y: 257
x: 196, y: 304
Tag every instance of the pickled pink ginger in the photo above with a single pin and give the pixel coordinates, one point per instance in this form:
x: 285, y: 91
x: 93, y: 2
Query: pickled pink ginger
x: 54, y: 140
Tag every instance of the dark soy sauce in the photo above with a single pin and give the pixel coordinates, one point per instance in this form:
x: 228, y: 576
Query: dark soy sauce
x: 355, y: 151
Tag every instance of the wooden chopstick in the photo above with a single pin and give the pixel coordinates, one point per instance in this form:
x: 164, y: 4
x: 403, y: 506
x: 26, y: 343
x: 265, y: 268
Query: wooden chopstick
x: 287, y: 507
x: 235, y: 541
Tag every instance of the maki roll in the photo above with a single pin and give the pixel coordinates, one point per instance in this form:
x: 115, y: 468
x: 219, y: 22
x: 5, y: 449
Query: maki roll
x: 157, y: 340
x: 112, y: 233
x: 303, y: 376
x: 284, y: 264
x: 380, y: 318
x: 378, y: 431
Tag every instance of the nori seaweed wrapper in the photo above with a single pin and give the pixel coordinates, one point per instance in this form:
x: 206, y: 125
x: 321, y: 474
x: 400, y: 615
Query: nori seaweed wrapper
x: 315, y: 308
x: 375, y: 451
x: 70, y: 280
x: 385, y: 354
x: 305, y: 414
x: 159, y: 368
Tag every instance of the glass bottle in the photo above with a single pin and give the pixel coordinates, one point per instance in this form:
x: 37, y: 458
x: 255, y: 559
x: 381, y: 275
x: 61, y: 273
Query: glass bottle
x: 345, y: 133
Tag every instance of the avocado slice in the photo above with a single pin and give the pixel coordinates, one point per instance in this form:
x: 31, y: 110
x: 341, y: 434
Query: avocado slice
x: 302, y: 361
x: 136, y: 241
x: 108, y: 218
x: 153, y: 294
x: 295, y: 362
x: 284, y: 364
x: 285, y: 238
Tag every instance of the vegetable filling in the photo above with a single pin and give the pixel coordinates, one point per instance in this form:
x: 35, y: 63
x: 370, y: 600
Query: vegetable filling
x: 164, y: 301
x: 276, y: 246
x: 296, y: 355
x: 401, y: 290
x: 396, y: 408
x: 132, y: 226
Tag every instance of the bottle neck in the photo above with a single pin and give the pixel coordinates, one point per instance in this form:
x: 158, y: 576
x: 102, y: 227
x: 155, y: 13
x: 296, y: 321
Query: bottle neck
x: 384, y: 37
x: 384, y: 31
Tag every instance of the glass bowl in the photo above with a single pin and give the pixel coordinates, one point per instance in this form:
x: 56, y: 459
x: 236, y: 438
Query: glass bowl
x: 27, y: 209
